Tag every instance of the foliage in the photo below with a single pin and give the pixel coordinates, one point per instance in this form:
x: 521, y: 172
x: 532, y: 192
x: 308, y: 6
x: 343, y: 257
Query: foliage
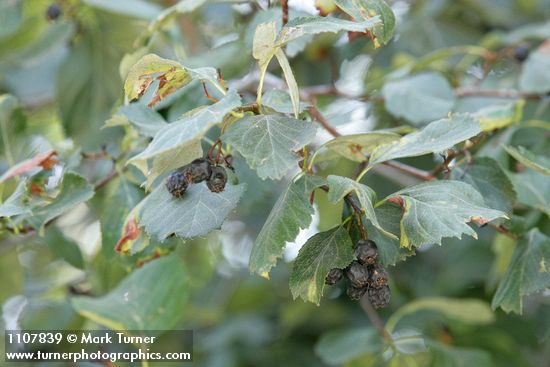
x: 410, y: 123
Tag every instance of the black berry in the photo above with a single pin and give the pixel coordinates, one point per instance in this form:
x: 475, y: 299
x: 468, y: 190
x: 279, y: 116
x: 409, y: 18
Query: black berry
x: 198, y: 170
x: 217, y: 180
x: 366, y: 252
x: 378, y: 275
x: 521, y: 53
x: 355, y: 293
x: 358, y: 274
x: 334, y: 276
x: 379, y: 297
x: 53, y: 12
x: 176, y: 184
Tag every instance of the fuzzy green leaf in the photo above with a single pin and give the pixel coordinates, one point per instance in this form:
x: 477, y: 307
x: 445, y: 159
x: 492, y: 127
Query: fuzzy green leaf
x: 337, y: 347
x: 291, y: 213
x: 529, y: 159
x: 357, y: 146
x: 322, y: 252
x: 486, y: 176
x: 528, y: 272
x: 341, y: 186
x: 368, y: 9
x: 151, y: 67
x: 419, y: 98
x: 147, y: 121
x: 438, y: 209
x: 290, y: 81
x: 75, y: 190
x: 532, y: 189
x: 501, y: 115
x: 150, y: 298
x: 268, y: 142
x: 15, y: 204
x: 535, y: 74
x: 435, y: 137
x: 302, y: 26
x: 198, y: 212
x: 389, y: 250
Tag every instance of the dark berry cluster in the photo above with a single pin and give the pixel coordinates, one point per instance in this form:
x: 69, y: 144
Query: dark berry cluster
x: 197, y: 171
x: 364, y: 275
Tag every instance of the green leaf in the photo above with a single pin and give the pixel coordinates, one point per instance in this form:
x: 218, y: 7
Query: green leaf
x: 87, y: 89
x: 389, y: 250
x: 322, y: 252
x: 501, y: 115
x: 147, y: 121
x: 435, y: 137
x: 532, y: 189
x: 486, y: 176
x: 263, y: 47
x: 337, y: 347
x: 529, y: 159
x: 291, y: 213
x: 290, y: 81
x: 450, y: 356
x: 535, y: 74
x: 75, y: 190
x: 357, y: 146
x: 152, y: 67
x: 438, y: 209
x: 302, y: 26
x: 10, y: 17
x: 368, y: 9
x: 178, y: 143
x: 150, y: 298
x: 342, y: 186
x: 268, y: 142
x: 419, y: 98
x: 280, y: 101
x: 528, y: 272
x: 468, y: 311
x: 195, y: 214
x: 15, y: 204
x: 64, y: 247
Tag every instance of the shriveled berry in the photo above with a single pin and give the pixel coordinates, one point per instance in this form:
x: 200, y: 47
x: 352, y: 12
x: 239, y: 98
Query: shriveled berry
x: 198, y: 170
x: 379, y: 297
x: 334, y: 276
x: 521, y: 53
x: 366, y: 252
x: 358, y: 274
x: 378, y: 275
x: 53, y: 12
x: 218, y: 179
x: 356, y: 293
x: 176, y: 184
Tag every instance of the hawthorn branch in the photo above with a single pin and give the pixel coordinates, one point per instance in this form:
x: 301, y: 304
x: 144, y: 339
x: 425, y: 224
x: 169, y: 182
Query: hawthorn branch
x: 374, y: 318
x: 496, y: 93
x: 318, y: 117
x: 284, y: 6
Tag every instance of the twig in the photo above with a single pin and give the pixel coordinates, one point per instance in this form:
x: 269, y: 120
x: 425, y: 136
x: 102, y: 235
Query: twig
x: 317, y: 116
x: 376, y: 321
x: 498, y: 93
x: 284, y: 6
x: 358, y: 214
x: 105, y: 180
x: 410, y: 170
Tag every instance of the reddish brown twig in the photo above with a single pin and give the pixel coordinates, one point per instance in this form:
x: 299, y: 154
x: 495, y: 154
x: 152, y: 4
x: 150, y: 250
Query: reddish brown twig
x: 284, y: 6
